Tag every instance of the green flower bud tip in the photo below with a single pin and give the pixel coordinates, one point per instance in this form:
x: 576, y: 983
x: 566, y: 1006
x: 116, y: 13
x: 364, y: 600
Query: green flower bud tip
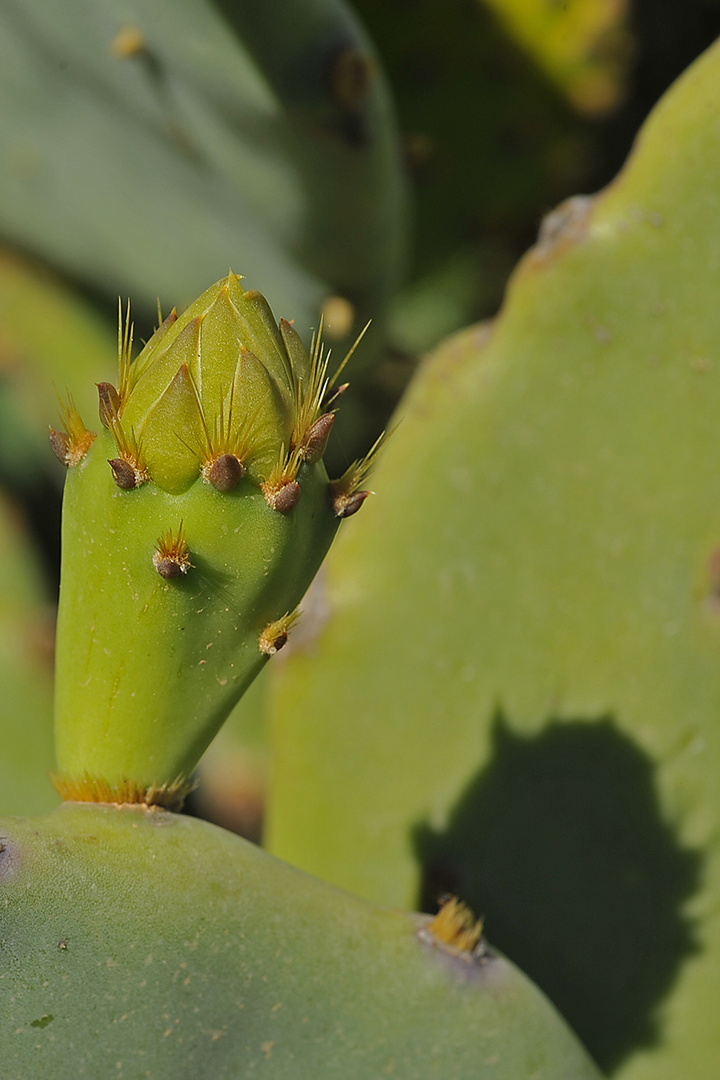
x: 198, y: 514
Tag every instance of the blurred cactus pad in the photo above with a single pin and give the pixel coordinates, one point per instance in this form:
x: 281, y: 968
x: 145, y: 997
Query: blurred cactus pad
x: 511, y: 688
x: 147, y: 144
x: 193, y: 522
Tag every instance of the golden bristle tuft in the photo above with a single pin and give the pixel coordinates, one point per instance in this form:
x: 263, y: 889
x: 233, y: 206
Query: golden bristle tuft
x: 223, y: 442
x: 310, y: 398
x: 93, y: 789
x: 345, y: 491
x: 73, y: 442
x: 456, y: 926
x: 125, y: 344
x: 171, y: 558
x: 281, y: 489
x: 275, y: 634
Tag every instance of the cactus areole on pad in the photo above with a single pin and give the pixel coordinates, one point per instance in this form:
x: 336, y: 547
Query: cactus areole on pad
x: 193, y: 522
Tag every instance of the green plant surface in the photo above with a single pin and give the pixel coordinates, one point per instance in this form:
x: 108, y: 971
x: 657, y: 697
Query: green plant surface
x: 139, y: 944
x: 26, y: 743
x: 512, y: 684
x: 146, y: 145
x: 192, y: 525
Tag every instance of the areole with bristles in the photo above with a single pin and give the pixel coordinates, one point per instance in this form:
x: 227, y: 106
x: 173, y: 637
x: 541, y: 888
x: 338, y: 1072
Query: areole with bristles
x: 192, y: 525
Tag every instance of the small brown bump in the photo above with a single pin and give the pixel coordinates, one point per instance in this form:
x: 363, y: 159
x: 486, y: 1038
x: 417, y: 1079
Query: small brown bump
x: 279, y: 641
x: 109, y: 403
x: 347, y: 505
x: 285, y: 498
x: 60, y: 444
x: 124, y: 475
x: 224, y: 473
x: 167, y: 567
x: 317, y: 437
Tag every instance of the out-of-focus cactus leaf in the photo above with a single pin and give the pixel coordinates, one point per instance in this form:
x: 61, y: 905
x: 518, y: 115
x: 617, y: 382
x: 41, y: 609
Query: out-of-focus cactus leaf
x: 513, y: 683
x: 582, y: 45
x: 26, y: 744
x: 49, y: 338
x: 138, y: 943
x: 233, y: 772
x: 145, y: 146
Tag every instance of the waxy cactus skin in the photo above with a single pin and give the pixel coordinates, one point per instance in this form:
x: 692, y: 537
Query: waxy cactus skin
x: 191, y: 528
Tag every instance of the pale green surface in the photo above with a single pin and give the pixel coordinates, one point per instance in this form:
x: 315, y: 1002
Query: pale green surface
x: 26, y: 745
x: 219, y: 145
x: 146, y: 946
x: 540, y: 548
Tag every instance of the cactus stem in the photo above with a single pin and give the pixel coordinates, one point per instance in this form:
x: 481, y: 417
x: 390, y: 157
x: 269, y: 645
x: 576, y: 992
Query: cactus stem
x: 72, y: 443
x: 94, y: 789
x: 275, y: 634
x: 454, y: 926
x: 171, y: 558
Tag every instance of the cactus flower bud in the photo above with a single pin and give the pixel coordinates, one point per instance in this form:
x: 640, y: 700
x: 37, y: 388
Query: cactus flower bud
x: 192, y: 525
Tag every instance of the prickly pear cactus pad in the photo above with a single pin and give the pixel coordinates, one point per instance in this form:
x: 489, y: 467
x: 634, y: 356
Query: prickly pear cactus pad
x: 193, y: 521
x: 141, y: 944
x: 533, y: 601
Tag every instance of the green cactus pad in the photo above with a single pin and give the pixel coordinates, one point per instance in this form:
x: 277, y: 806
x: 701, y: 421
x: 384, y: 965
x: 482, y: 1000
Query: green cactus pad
x: 523, y: 631
x: 191, y: 528
x: 141, y: 944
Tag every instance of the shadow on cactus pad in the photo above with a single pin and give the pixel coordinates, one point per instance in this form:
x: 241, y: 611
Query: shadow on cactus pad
x: 559, y: 842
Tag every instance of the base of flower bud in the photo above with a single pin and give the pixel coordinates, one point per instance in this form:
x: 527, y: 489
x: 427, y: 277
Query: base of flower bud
x: 93, y: 789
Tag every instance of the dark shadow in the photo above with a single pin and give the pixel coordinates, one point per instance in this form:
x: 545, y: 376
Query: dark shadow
x: 560, y: 843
